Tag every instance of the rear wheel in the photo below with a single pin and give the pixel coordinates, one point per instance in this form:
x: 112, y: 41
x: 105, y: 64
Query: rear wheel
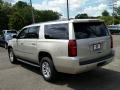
x: 12, y: 57
x: 47, y: 69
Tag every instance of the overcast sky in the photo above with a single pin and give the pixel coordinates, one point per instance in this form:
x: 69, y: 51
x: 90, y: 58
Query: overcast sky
x: 91, y: 7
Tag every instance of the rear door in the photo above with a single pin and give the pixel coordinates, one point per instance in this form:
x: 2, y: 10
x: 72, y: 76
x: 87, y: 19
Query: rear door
x: 93, y: 40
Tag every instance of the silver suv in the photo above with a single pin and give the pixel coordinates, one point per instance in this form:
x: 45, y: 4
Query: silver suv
x: 72, y: 47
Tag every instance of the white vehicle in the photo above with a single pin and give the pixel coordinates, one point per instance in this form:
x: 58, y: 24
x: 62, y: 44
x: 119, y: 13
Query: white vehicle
x: 72, y: 47
x: 6, y: 36
x: 114, y: 29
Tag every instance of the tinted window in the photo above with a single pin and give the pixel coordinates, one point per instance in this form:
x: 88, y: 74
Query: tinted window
x: 113, y: 27
x: 23, y: 34
x: 33, y: 32
x: 56, y: 31
x: 90, y: 30
x: 9, y: 32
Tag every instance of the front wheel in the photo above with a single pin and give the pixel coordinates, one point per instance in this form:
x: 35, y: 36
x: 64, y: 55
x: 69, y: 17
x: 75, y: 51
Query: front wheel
x: 47, y: 69
x: 12, y: 57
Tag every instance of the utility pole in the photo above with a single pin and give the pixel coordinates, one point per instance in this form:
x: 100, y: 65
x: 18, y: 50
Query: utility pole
x: 33, y: 16
x: 113, y: 15
x: 68, y: 17
x: 113, y: 7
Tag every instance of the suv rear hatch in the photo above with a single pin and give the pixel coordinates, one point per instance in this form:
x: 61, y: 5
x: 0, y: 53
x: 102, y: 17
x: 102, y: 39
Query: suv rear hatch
x: 93, y: 40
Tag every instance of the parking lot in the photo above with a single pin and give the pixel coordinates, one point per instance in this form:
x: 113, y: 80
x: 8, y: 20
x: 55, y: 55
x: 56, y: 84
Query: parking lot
x: 26, y: 77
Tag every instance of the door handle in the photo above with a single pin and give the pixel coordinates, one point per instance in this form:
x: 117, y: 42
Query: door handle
x: 33, y: 44
x: 21, y: 43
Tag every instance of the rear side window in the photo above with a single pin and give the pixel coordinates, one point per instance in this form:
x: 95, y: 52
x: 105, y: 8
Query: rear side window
x: 56, y: 31
x: 90, y: 30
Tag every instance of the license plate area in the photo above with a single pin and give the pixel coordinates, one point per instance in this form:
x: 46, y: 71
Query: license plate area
x: 97, y: 47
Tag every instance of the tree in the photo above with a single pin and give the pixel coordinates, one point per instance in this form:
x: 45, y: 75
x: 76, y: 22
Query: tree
x: 19, y: 15
x: 81, y: 16
x: 105, y: 13
x: 5, y: 11
x: 3, y: 20
x: 40, y: 16
x: 20, y: 5
x: 46, y: 15
x: 16, y: 21
x: 107, y: 19
x: 117, y: 12
x: 1, y: 2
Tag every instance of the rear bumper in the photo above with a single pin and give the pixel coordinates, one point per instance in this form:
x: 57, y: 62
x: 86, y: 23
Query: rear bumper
x: 96, y: 60
x: 74, y: 66
x: 94, y: 65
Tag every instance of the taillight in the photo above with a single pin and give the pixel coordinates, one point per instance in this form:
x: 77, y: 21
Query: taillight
x: 111, y: 41
x: 72, y: 48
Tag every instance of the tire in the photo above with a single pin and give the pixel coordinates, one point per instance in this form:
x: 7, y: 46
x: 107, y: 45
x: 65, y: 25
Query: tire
x: 47, y: 69
x: 12, y: 57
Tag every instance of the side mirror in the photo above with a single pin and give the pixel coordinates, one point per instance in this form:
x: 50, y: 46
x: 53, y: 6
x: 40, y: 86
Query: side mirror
x: 14, y: 36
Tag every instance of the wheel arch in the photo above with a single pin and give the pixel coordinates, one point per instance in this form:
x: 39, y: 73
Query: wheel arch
x: 44, y: 54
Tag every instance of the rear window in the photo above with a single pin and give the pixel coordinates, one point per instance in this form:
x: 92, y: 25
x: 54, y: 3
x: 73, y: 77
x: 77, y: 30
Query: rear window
x: 56, y: 31
x: 90, y: 30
